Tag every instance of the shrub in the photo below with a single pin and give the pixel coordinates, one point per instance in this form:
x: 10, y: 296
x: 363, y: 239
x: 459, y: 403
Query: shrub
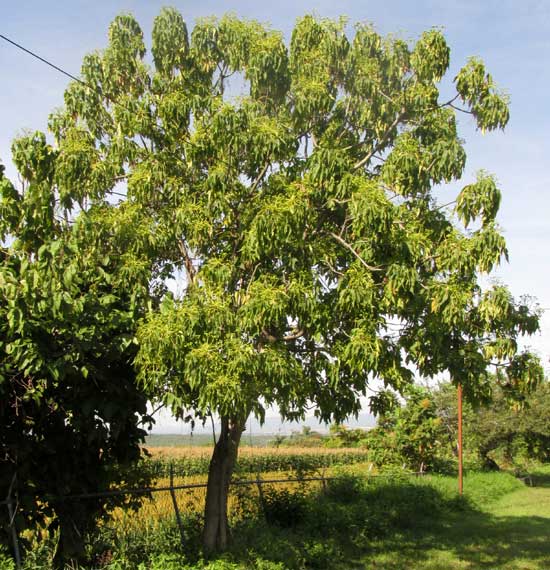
x: 346, y: 488
x: 6, y: 561
x: 283, y: 508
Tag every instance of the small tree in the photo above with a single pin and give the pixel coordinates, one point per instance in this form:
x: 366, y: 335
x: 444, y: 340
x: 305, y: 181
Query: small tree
x: 408, y: 434
x: 299, y: 218
x: 504, y: 426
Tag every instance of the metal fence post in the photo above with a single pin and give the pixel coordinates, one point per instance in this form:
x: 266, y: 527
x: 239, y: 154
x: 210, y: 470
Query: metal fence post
x: 176, y: 508
x: 260, y: 493
x: 11, y: 515
x: 14, y: 537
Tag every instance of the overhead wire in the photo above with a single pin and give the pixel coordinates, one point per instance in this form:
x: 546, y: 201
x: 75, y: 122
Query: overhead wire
x: 42, y: 59
x: 88, y: 85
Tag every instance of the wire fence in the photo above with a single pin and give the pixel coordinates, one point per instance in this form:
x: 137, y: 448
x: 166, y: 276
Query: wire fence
x: 169, y: 500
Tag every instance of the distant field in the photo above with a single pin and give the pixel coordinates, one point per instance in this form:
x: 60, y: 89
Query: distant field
x: 175, y: 452
x: 201, y: 440
x: 194, y: 460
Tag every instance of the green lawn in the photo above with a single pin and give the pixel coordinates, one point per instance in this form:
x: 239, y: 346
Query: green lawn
x: 509, y: 533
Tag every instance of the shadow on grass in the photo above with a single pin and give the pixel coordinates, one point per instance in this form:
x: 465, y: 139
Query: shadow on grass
x: 474, y: 540
x: 353, y: 525
x: 395, y: 527
x: 540, y: 479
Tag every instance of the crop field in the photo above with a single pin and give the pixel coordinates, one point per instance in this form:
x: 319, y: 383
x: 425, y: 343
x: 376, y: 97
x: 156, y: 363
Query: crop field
x: 189, y: 466
x: 191, y: 461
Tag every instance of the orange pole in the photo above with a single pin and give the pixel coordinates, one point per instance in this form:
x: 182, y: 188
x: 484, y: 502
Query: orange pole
x: 460, y: 473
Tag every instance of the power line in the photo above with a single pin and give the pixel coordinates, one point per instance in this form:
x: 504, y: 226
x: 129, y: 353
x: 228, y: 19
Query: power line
x: 89, y: 86
x: 35, y: 55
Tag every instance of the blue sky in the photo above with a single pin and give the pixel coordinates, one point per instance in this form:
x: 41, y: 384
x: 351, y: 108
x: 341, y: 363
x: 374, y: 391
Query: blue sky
x: 512, y: 37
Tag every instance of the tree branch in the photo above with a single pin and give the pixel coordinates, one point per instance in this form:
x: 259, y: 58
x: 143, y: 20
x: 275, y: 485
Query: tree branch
x: 348, y: 246
x: 295, y: 334
x: 445, y: 205
x: 213, y: 428
x: 381, y: 142
x: 461, y: 110
x: 259, y: 178
x: 332, y: 268
x: 189, y: 268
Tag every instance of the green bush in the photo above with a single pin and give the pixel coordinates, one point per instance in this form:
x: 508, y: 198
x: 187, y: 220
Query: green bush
x: 284, y: 508
x: 345, y: 488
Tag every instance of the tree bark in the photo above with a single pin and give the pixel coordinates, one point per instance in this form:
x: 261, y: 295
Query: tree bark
x: 216, y: 527
x: 70, y: 548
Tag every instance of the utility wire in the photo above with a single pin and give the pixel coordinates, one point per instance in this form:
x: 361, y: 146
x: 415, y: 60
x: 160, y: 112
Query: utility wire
x: 88, y: 85
x: 35, y: 55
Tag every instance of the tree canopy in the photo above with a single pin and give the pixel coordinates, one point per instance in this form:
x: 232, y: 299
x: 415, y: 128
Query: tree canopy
x: 291, y: 191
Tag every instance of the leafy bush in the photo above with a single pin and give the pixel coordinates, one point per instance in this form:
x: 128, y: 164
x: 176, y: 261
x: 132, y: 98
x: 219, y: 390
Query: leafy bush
x: 317, y: 553
x: 345, y: 488
x: 164, y: 562
x: 284, y: 508
x: 408, y: 434
x: 6, y: 561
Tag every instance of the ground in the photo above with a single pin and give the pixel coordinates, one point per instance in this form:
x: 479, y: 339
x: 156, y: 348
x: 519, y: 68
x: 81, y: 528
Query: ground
x: 513, y: 533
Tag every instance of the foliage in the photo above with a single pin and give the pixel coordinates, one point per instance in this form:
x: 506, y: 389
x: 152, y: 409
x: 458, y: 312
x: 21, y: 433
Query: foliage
x: 345, y: 488
x: 283, y: 507
x: 424, y: 430
x: 71, y: 412
x: 408, y: 434
x: 501, y: 431
x: 342, y: 436
x: 6, y: 562
x: 300, y: 219
x: 305, y: 438
x: 302, y: 212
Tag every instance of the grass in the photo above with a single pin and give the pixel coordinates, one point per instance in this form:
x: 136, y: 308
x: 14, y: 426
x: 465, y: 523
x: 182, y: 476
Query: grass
x: 509, y: 530
x: 394, y: 523
x: 408, y: 523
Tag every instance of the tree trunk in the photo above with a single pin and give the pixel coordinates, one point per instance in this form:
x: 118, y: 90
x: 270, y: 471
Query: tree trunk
x: 216, y: 527
x: 70, y: 548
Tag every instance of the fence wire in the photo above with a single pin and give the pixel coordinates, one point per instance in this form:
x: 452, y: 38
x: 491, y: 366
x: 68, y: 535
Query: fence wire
x: 166, y: 502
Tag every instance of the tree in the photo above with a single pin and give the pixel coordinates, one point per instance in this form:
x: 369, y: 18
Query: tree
x: 71, y: 411
x: 515, y: 430
x: 409, y: 434
x: 299, y: 218
x: 343, y: 436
